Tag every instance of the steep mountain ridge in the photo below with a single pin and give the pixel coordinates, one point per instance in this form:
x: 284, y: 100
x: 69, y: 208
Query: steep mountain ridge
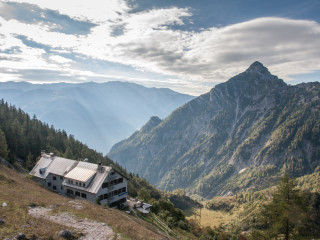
x: 98, y: 114
x: 254, y: 122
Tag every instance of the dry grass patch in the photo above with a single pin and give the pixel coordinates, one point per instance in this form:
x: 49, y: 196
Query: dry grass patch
x: 213, y: 218
x: 19, y: 192
x: 15, y: 190
x: 219, y: 210
x: 128, y: 225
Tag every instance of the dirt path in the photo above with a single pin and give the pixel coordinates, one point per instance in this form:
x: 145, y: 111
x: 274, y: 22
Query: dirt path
x: 91, y: 229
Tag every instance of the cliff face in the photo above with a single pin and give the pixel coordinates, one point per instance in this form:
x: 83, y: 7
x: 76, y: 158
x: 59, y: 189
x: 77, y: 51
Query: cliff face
x: 241, y: 135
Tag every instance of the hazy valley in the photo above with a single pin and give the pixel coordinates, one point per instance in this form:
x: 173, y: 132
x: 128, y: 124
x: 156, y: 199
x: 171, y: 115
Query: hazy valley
x: 99, y: 115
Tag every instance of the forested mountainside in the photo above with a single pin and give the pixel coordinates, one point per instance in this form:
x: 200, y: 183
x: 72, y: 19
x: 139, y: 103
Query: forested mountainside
x: 241, y: 135
x: 97, y: 114
x: 22, y: 138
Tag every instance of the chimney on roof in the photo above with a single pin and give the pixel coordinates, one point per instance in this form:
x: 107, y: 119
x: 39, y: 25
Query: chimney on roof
x: 51, y: 155
x: 100, y: 169
x: 43, y: 152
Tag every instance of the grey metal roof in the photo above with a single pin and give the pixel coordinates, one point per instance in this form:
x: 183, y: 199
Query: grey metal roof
x: 80, y: 174
x: 54, y: 165
x: 145, y: 206
x: 83, y: 171
x: 95, y: 184
x: 143, y: 210
x: 87, y: 165
x: 43, y: 163
x: 98, y: 179
x: 61, y: 166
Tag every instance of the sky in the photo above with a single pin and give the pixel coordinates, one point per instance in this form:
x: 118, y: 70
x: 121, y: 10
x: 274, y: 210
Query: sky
x: 186, y: 45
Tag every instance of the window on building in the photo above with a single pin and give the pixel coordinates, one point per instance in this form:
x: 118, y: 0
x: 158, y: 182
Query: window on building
x: 76, y: 183
x: 105, y: 196
x: 61, y: 188
x: 84, y: 185
x: 105, y: 185
x: 120, y: 180
x: 54, y: 187
x: 61, y: 178
x: 49, y: 184
x: 83, y: 195
x: 69, y: 191
x: 77, y: 194
x: 54, y: 178
x: 123, y: 189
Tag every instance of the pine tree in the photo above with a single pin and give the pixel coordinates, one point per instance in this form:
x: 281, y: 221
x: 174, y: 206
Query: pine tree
x: 30, y: 161
x: 286, y: 214
x: 3, y: 145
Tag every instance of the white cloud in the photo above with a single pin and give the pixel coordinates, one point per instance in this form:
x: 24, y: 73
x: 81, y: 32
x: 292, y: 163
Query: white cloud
x: 38, y: 33
x: 155, y: 19
x: 285, y: 46
x: 96, y: 11
x: 149, y: 42
x: 59, y: 59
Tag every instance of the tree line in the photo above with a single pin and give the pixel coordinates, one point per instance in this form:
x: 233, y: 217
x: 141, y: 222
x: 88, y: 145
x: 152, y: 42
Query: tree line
x: 22, y: 138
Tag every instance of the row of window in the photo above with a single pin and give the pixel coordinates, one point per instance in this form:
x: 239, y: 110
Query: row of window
x: 118, y: 203
x: 77, y: 194
x: 113, y: 193
x: 55, y: 178
x: 80, y: 184
x: 112, y: 182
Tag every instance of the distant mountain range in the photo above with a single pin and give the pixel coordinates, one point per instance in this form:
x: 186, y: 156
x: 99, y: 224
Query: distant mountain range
x: 242, y: 135
x: 98, y: 114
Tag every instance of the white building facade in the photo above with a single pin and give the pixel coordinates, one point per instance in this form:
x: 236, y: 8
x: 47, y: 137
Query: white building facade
x: 81, y: 180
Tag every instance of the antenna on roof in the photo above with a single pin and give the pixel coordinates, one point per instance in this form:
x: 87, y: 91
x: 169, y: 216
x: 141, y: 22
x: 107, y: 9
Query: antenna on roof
x: 85, y: 160
x: 52, y: 155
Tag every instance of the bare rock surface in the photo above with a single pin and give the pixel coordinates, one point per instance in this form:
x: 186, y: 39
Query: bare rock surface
x: 91, y: 229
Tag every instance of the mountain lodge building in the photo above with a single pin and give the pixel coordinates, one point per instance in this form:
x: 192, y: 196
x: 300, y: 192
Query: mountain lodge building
x: 81, y: 180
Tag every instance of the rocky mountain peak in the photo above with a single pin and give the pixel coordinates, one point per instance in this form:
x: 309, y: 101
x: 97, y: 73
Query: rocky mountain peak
x: 258, y: 68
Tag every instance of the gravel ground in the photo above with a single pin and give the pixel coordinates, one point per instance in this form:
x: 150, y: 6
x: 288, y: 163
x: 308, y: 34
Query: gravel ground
x: 91, y: 229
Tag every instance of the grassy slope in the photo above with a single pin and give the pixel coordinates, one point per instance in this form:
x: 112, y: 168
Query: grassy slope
x: 19, y: 192
x: 241, y: 210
